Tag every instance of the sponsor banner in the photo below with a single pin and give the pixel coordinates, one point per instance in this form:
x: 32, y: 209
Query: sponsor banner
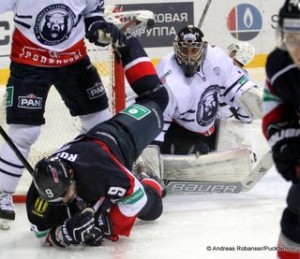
x: 169, y: 18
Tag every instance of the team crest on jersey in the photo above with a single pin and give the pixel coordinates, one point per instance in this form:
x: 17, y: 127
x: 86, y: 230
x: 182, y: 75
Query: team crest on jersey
x: 54, y: 24
x: 208, y: 106
x: 217, y: 71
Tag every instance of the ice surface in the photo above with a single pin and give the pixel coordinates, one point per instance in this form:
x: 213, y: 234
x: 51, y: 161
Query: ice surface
x: 189, y: 225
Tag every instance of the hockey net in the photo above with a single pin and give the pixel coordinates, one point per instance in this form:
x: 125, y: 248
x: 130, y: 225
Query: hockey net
x: 60, y: 126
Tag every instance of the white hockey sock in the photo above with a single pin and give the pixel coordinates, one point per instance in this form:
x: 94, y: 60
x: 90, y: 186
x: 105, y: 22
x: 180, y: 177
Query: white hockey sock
x: 11, y: 168
x: 90, y: 120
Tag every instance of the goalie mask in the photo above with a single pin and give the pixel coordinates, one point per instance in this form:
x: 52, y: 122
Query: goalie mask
x: 189, y: 49
x: 54, y: 181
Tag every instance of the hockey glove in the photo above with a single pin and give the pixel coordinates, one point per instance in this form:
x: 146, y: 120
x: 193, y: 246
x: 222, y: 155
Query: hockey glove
x: 102, y: 33
x: 103, y: 223
x: 77, y: 229
x: 285, y: 144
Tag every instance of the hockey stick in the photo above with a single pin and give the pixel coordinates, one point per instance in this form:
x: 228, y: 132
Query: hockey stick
x: 204, y: 14
x: 258, y: 171
x: 16, y: 150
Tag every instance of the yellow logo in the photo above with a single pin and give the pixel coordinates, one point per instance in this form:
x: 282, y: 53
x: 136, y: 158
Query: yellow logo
x: 40, y: 206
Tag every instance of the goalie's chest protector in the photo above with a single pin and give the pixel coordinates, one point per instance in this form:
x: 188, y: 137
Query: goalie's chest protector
x: 193, y: 101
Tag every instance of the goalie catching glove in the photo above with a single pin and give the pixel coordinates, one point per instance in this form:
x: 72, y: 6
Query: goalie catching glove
x: 285, y: 144
x: 102, y: 33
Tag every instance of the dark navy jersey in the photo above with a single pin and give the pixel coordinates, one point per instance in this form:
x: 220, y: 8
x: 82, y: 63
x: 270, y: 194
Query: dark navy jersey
x: 282, y: 90
x: 98, y: 173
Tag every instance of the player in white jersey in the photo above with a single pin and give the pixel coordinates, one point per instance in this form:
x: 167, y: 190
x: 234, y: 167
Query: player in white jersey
x: 198, y: 78
x: 48, y: 49
x: 242, y: 53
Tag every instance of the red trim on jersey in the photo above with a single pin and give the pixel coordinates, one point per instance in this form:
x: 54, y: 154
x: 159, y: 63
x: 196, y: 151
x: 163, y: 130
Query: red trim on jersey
x: 121, y: 224
x: 139, y: 70
x: 25, y: 51
x: 153, y: 184
x: 273, y: 116
x: 286, y: 254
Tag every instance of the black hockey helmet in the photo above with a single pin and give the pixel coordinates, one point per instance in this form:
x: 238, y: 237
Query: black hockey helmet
x: 289, y: 22
x: 189, y: 49
x: 52, y: 178
x: 289, y: 16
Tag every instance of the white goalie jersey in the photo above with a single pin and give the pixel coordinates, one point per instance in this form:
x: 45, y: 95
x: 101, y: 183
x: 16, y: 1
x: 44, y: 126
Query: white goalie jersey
x: 194, y: 102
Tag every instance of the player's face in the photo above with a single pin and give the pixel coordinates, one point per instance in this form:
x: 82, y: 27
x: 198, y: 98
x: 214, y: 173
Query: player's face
x: 70, y: 194
x: 292, y: 43
x: 191, y: 51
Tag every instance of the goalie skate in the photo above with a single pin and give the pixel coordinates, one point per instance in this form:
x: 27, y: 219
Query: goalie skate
x: 143, y: 170
x: 132, y: 23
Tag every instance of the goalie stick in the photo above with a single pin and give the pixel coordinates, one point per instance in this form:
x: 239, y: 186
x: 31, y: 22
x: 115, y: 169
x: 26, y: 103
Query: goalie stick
x: 204, y: 13
x: 262, y: 167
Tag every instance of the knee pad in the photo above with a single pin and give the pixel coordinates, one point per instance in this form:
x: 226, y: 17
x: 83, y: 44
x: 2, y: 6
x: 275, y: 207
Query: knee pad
x: 90, y: 120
